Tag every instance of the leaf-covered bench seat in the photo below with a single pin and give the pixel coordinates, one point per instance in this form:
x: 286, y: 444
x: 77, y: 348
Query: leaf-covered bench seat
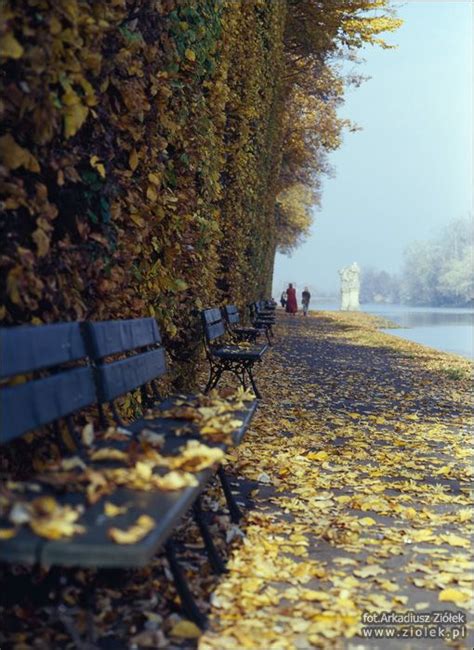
x: 116, y: 500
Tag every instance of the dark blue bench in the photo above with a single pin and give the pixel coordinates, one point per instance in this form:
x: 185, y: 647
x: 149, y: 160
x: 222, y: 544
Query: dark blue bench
x: 263, y: 316
x: 238, y: 359
x: 66, y: 369
x: 235, y: 329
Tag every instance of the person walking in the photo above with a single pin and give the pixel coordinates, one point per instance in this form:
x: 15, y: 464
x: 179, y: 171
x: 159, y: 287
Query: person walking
x: 283, y: 299
x: 291, y: 304
x: 305, y: 298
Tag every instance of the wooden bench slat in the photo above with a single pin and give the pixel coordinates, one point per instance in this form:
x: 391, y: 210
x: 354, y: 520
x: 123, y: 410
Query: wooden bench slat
x: 169, y: 424
x: 29, y: 348
x: 214, y: 331
x: 112, y: 337
x: 95, y: 549
x: 120, y: 377
x: 31, y: 405
x: 241, y: 354
x: 233, y: 316
x: 212, y: 315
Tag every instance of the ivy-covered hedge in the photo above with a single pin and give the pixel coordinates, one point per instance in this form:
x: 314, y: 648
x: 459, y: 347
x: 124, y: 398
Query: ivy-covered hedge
x: 139, y: 151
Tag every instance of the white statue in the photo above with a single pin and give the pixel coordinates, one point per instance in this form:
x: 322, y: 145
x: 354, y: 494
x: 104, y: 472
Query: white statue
x: 350, y: 286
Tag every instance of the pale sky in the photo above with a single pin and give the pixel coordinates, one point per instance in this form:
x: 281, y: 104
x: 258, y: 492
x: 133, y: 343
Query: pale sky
x: 409, y: 171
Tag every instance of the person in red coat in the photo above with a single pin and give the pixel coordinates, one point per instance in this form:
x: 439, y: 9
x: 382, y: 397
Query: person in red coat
x: 291, y: 304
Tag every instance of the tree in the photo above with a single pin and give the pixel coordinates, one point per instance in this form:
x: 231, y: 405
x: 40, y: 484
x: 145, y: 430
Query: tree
x: 318, y: 36
x: 440, y: 271
x: 378, y: 286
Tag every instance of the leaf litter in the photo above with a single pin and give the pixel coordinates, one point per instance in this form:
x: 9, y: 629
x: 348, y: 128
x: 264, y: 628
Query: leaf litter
x: 360, y: 461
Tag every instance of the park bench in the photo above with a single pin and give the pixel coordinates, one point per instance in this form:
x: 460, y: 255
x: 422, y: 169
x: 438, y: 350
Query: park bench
x: 263, y: 318
x: 238, y: 359
x: 58, y: 518
x: 235, y: 329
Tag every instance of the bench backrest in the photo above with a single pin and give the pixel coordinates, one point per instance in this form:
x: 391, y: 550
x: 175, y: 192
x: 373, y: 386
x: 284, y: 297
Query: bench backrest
x: 59, y: 392
x: 232, y: 315
x: 138, y: 338
x: 213, y: 324
x: 264, y: 305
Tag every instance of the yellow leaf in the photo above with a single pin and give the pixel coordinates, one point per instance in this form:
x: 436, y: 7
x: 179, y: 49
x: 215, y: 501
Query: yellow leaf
x: 10, y: 48
x: 151, y: 194
x: 186, y: 630
x: 94, y: 161
x: 137, y: 219
x: 154, y: 178
x: 367, y: 521
x: 464, y: 515
x: 13, y: 284
x: 368, y: 571
x: 410, y: 513
x: 111, y: 510
x: 455, y: 540
x: 53, y: 521
x: 453, y: 596
x: 175, y: 480
x: 143, y: 525
x: 109, y: 453
x: 55, y: 26
x: 319, y: 455
x: 133, y: 160
x: 87, y: 434
x: 7, y: 533
x: 41, y: 240
x: 312, y: 595
x: 74, y: 113
x: 190, y: 55
x: 14, y: 156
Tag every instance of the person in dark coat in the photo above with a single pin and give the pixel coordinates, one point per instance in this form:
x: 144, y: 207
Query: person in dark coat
x: 305, y: 298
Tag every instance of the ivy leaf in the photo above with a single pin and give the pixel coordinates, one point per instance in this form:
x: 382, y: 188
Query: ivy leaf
x: 41, y: 240
x: 14, y: 156
x: 133, y: 160
x: 75, y: 113
x: 10, y: 48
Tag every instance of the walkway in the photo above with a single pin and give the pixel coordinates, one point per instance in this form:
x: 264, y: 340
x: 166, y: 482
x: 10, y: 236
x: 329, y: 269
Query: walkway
x: 361, y: 456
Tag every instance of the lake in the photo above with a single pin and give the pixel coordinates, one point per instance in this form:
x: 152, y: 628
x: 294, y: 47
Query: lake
x: 444, y: 328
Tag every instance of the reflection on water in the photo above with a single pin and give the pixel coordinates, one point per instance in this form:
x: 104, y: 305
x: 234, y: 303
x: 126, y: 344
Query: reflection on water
x: 457, y: 339
x: 443, y: 328
x: 423, y: 316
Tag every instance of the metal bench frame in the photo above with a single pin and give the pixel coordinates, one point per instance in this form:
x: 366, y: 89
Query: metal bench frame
x: 227, y: 358
x: 235, y: 330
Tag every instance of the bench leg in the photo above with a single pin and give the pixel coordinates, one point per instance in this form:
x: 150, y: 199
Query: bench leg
x: 267, y: 329
x: 234, y: 511
x: 254, y: 386
x: 215, y: 559
x: 213, y: 379
x: 190, y: 608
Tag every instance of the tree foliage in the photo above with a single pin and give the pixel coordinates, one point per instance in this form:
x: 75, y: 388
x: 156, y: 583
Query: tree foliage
x: 440, y: 271
x: 437, y: 272
x: 379, y: 286
x: 318, y: 36
x: 143, y: 146
x: 136, y: 156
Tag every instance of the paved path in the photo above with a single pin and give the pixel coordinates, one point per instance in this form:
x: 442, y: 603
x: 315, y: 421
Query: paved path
x: 362, y: 460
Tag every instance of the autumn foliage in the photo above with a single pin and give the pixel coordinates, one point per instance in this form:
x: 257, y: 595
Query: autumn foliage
x: 143, y: 147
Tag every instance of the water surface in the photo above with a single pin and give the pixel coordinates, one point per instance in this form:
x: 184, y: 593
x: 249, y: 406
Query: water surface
x: 443, y: 328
